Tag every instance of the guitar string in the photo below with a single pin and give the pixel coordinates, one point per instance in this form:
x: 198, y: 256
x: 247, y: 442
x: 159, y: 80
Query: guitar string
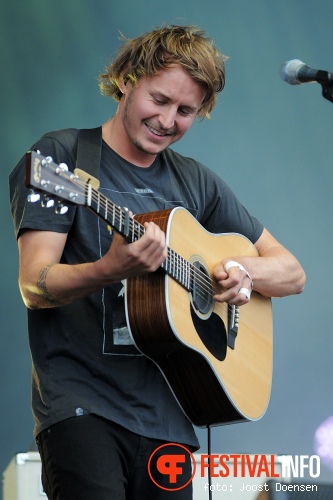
x: 138, y: 230
x: 203, y: 282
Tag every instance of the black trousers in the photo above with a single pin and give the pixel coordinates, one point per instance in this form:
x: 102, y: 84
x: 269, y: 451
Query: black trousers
x: 90, y: 458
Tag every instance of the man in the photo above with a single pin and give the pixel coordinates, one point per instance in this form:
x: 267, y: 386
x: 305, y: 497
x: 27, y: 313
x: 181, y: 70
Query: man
x: 101, y: 408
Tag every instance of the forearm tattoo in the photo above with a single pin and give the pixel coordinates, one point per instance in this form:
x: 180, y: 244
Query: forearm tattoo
x: 41, y: 284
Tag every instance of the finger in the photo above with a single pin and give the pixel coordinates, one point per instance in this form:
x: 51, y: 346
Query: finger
x: 234, y: 296
x: 237, y: 278
x: 154, y: 237
x: 246, y: 292
x: 150, y: 250
x: 219, y: 272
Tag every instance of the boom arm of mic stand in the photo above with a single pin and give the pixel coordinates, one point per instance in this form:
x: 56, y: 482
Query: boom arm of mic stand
x: 328, y: 91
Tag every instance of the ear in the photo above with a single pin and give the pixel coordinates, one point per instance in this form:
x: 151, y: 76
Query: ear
x: 122, y: 85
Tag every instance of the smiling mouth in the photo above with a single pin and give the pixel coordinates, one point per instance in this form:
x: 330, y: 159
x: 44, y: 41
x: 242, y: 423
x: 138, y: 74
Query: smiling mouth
x: 156, y: 132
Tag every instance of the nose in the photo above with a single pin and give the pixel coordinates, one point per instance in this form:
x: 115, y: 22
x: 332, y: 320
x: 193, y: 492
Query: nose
x: 167, y: 117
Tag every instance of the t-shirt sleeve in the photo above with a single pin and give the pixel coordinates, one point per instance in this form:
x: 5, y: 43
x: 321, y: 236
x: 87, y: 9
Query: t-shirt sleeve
x: 218, y: 208
x: 225, y: 213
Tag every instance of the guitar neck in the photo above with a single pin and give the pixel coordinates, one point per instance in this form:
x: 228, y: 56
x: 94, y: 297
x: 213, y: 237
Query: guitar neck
x: 119, y: 219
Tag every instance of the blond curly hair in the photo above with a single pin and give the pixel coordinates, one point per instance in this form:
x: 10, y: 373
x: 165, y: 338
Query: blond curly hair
x: 158, y: 49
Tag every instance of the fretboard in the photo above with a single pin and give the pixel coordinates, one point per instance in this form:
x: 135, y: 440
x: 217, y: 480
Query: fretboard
x: 119, y: 219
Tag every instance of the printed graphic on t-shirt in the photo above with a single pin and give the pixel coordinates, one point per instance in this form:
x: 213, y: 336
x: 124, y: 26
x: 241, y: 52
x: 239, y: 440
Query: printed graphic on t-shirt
x: 121, y: 334
x: 117, y: 338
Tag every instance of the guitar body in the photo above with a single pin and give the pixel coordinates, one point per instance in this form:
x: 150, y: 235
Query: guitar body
x: 213, y: 383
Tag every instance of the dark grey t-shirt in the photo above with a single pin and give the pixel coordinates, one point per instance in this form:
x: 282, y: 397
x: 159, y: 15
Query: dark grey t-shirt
x: 84, y: 360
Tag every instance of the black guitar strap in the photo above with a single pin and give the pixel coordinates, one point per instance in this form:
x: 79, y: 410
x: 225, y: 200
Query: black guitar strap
x: 89, y: 150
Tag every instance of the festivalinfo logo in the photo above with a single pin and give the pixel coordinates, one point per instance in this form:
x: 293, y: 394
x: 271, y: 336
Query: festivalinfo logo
x: 238, y: 465
x: 167, y: 469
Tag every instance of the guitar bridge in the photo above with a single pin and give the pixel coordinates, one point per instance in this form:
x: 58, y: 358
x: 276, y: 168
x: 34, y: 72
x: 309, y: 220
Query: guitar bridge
x: 233, y: 321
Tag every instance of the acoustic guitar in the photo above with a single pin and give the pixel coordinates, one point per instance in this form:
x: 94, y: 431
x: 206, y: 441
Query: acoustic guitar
x: 216, y: 358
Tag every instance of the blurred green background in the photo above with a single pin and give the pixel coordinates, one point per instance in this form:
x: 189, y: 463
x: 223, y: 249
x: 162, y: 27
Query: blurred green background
x: 271, y: 142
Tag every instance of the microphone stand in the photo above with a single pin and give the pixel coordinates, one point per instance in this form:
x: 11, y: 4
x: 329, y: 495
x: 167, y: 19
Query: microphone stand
x: 328, y: 91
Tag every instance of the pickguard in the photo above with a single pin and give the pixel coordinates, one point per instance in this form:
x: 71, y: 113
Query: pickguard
x: 212, y: 333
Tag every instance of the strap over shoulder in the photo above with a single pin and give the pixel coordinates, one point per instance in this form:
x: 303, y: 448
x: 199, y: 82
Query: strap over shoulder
x: 89, y: 150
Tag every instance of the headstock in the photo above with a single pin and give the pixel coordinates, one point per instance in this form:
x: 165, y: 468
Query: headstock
x: 55, y: 182
x: 57, y: 185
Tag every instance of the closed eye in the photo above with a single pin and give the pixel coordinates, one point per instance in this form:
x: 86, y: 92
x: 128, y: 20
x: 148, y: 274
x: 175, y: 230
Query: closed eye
x: 186, y: 111
x: 159, y: 101
x: 183, y: 110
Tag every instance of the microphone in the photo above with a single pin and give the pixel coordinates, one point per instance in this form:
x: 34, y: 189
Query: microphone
x: 296, y: 72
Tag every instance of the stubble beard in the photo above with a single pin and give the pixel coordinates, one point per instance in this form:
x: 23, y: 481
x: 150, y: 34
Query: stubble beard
x: 126, y: 122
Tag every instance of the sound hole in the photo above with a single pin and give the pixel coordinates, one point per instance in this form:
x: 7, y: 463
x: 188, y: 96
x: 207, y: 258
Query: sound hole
x: 209, y: 326
x: 202, y: 293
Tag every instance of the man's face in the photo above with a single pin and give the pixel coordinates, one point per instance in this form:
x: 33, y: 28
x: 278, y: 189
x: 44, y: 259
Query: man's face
x: 159, y: 110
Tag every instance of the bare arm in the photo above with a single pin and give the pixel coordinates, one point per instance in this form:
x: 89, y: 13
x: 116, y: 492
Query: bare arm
x: 275, y: 272
x: 44, y: 282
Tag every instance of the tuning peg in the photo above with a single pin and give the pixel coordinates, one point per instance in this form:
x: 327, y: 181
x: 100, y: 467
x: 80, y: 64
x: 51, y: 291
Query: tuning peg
x: 47, y: 159
x: 61, y: 208
x: 33, y: 197
x: 47, y: 202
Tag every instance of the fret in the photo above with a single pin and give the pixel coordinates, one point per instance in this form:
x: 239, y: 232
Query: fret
x: 113, y: 215
x: 168, y: 261
x: 165, y: 264
x: 106, y: 209
x: 120, y: 222
x: 132, y: 230
x: 125, y: 213
x: 140, y: 230
x: 175, y: 266
x: 98, y: 202
x: 178, y: 269
x: 182, y: 281
x: 171, y: 263
x: 188, y: 285
x: 175, y: 263
x: 89, y: 191
x: 184, y: 265
x: 182, y: 274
